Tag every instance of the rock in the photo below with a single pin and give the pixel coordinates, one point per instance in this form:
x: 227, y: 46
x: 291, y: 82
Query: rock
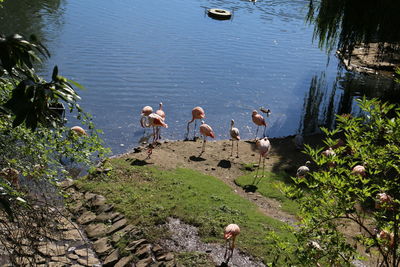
x: 166, y: 257
x: 144, y: 262
x: 143, y: 251
x: 124, y: 261
x: 118, y: 235
x: 119, y: 217
x: 51, y: 249
x: 72, y: 235
x: 56, y: 264
x: 102, y: 246
x: 89, y: 261
x: 96, y: 230
x: 105, y: 208
x: 157, y: 249
x: 73, y: 256
x: 83, y: 252
x: 39, y: 259
x: 117, y: 226
x: 89, y: 196
x: 76, y: 208
x: 66, y: 183
x: 97, y: 201
x: 134, y: 244
x: 111, y: 259
x: 61, y: 259
x: 86, y: 217
x: 107, y: 216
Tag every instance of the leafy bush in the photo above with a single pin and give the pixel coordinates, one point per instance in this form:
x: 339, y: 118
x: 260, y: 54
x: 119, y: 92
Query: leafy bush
x: 350, y: 199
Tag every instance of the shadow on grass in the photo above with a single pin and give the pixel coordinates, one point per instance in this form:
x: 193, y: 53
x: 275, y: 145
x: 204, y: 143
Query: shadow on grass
x: 139, y: 162
x: 250, y: 188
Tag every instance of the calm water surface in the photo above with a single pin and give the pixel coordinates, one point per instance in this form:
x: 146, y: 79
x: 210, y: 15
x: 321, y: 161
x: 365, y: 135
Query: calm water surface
x: 129, y: 54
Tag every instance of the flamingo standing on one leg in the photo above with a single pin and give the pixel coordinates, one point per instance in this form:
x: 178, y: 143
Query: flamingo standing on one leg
x: 264, y: 147
x: 146, y: 111
x: 259, y: 120
x: 197, y: 114
x: 235, y: 135
x: 161, y: 113
x: 205, y: 130
x: 230, y: 233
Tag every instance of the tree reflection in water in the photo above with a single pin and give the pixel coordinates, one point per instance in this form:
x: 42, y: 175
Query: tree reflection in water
x: 325, y: 100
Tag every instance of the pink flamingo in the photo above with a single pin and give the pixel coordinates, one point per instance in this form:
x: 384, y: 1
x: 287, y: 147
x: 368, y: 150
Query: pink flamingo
x: 197, y: 114
x: 205, y: 130
x: 78, y: 130
x: 263, y: 147
x: 258, y: 120
x: 155, y: 120
x: 161, y: 113
x: 235, y: 135
x: 146, y: 111
x: 230, y: 233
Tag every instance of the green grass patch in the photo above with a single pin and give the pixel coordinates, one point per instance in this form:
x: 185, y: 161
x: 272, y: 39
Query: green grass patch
x: 148, y: 196
x: 269, y: 186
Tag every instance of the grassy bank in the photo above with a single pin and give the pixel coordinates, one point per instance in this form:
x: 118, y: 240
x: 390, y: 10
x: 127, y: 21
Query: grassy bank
x: 269, y: 186
x: 148, y: 196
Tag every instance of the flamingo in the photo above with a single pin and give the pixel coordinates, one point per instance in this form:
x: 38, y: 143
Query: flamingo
x: 161, y: 113
x: 230, y: 233
x: 197, y: 114
x: 235, y: 135
x: 259, y: 121
x: 359, y: 170
x: 146, y: 111
x: 205, y: 130
x: 264, y: 147
x: 78, y: 130
x: 303, y: 170
x: 155, y: 120
x: 384, y: 200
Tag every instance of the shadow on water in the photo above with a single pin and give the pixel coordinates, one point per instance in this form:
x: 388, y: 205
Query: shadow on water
x: 226, y: 164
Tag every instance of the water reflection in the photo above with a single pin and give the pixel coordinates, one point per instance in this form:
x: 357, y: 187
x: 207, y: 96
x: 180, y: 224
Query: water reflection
x: 32, y: 17
x: 325, y: 100
x: 342, y: 24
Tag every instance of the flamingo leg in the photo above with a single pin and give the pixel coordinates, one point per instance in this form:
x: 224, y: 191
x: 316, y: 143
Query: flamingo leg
x: 154, y: 134
x: 257, y: 131
x: 263, y: 173
x: 204, y: 145
x: 194, y: 131
x: 264, y: 134
x: 187, y: 128
x: 158, y: 133
x: 237, y: 148
x: 232, y: 148
x: 258, y: 167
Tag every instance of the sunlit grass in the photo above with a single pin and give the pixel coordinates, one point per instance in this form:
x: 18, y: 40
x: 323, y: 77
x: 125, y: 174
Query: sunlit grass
x: 269, y: 186
x: 148, y: 196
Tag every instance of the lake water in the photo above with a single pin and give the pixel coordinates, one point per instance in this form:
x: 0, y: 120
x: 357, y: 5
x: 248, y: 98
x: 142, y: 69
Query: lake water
x: 129, y: 54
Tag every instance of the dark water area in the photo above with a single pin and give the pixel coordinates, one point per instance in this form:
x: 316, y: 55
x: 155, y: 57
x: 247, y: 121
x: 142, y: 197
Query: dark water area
x: 129, y: 54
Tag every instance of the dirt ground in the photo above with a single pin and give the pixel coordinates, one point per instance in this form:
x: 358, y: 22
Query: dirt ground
x: 217, y: 161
